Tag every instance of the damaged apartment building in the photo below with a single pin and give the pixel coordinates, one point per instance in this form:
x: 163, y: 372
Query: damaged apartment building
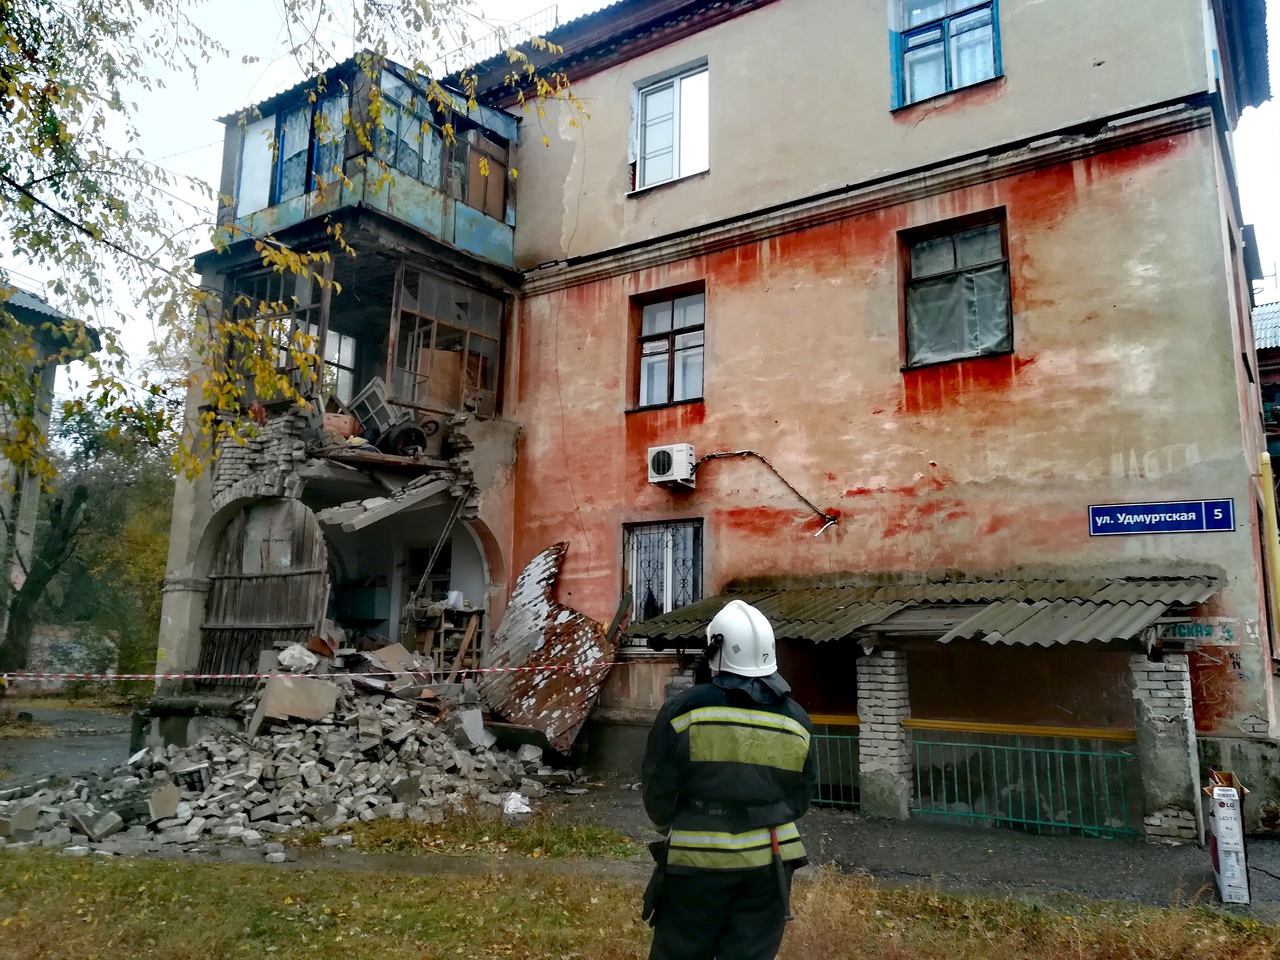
x: 921, y: 324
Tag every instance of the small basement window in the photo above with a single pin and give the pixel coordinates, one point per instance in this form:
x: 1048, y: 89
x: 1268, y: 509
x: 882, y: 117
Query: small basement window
x: 957, y: 295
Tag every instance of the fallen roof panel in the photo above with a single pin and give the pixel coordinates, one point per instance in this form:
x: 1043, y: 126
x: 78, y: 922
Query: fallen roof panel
x: 552, y: 660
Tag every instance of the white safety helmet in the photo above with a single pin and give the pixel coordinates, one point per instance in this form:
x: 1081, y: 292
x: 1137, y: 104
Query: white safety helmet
x: 740, y: 640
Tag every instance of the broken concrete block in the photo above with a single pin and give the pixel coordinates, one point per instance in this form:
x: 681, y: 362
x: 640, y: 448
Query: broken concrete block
x: 406, y: 789
x: 263, y: 811
x: 75, y: 851
x: 469, y: 731
x: 529, y: 753
x: 251, y: 838
x: 57, y: 837
x: 275, y: 857
x: 402, y: 733
x: 302, y: 698
x: 108, y: 825
x: 341, y: 841
x: 19, y: 819
x: 163, y: 803
x: 532, y: 789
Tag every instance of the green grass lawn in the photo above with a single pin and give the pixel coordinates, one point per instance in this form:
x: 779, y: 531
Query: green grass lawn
x: 57, y: 907
x: 477, y: 834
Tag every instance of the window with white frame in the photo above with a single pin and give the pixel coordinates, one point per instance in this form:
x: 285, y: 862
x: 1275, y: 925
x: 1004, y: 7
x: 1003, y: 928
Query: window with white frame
x: 673, y: 128
x: 945, y: 45
x: 663, y: 563
x: 338, y: 376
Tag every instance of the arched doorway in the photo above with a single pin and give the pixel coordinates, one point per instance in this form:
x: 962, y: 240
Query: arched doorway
x: 268, y: 585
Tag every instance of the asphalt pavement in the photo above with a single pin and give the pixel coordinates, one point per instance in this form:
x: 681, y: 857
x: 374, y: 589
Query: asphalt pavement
x: 82, y: 740
x: 961, y: 859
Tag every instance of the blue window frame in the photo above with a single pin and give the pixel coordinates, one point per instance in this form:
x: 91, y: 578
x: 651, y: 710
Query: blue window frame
x: 944, y: 45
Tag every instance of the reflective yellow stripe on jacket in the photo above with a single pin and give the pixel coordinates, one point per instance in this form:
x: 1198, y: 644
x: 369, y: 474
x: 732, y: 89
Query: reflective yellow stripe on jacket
x: 739, y: 735
x: 732, y: 851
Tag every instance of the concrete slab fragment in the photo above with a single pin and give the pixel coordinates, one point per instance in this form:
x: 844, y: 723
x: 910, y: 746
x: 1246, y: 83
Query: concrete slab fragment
x: 301, y: 698
x: 19, y: 819
x: 163, y: 803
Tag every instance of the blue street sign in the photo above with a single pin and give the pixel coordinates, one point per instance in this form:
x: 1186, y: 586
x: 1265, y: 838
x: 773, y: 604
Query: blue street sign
x: 1179, y: 516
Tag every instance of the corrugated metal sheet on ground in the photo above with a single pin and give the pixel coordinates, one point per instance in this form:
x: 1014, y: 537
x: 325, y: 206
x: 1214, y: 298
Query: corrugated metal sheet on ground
x: 1039, y: 612
x: 536, y: 631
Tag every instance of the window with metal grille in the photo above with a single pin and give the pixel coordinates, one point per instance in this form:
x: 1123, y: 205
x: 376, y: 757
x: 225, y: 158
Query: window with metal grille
x: 957, y: 296
x: 671, y: 350
x: 672, y: 131
x: 663, y: 564
x: 944, y: 45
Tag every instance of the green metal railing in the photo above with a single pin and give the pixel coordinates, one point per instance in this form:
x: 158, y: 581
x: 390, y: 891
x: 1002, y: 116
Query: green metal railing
x: 835, y: 745
x: 1042, y: 783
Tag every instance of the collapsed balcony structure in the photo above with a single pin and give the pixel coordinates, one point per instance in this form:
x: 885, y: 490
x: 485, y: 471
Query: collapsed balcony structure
x: 354, y: 507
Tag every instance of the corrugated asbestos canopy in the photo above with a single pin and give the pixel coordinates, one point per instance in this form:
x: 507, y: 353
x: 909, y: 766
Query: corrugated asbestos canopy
x: 1027, y: 612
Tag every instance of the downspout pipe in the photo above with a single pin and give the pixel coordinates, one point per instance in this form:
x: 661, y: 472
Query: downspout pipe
x: 1271, y: 541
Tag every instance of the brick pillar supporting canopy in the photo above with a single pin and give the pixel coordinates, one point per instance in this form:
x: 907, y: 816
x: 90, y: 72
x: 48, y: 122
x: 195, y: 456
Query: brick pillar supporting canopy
x: 884, y: 753
x: 1167, y: 754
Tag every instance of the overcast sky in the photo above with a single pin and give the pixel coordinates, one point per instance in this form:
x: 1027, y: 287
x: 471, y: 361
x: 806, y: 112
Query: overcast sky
x: 177, y: 126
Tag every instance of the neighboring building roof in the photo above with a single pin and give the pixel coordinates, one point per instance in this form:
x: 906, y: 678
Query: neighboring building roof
x: 1039, y: 612
x: 1246, y: 28
x: 34, y: 303
x: 595, y: 39
x: 31, y: 308
x: 1266, y: 325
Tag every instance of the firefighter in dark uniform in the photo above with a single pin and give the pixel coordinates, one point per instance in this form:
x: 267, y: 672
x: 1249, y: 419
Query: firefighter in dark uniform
x: 726, y: 773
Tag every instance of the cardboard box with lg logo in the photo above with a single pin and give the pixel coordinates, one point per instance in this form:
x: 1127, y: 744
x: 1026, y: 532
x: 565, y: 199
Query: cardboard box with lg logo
x: 1226, y: 836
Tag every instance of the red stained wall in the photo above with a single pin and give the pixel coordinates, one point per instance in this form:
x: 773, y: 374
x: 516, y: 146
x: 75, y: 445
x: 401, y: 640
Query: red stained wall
x: 1121, y: 387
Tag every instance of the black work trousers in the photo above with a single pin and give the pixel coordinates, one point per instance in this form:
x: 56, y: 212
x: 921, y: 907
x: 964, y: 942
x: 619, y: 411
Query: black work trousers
x: 720, y: 915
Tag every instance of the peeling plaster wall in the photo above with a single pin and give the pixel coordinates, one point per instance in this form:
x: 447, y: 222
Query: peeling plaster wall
x: 801, y: 93
x: 1122, y: 387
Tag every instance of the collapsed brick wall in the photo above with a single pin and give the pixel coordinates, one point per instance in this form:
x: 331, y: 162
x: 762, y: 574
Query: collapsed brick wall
x: 264, y: 465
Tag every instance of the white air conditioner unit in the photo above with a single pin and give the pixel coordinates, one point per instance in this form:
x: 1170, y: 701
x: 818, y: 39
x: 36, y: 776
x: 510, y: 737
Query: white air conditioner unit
x: 672, y: 464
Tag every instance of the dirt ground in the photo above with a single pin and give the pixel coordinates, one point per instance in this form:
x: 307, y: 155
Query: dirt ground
x: 967, y: 859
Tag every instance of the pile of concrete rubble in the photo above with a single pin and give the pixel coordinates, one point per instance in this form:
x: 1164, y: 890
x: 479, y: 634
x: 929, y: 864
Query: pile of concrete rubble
x: 367, y: 756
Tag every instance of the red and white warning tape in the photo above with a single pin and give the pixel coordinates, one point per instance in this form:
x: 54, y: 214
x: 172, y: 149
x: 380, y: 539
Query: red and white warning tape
x: 34, y: 675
